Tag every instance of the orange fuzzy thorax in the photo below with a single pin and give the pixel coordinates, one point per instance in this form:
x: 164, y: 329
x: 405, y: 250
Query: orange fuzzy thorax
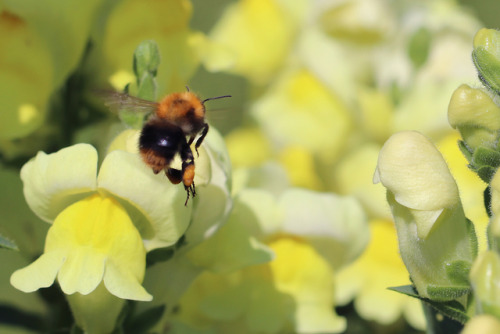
x: 175, y: 106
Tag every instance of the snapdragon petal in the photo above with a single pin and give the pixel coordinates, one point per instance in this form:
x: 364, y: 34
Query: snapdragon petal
x: 248, y: 30
x: 166, y: 22
x: 123, y: 284
x: 231, y: 248
x: 96, y: 234
x: 213, y: 180
x: 300, y: 110
x: 91, y: 239
x: 302, y: 273
x: 162, y: 203
x: 44, y: 269
x: 336, y: 225
x: 53, y: 181
x: 81, y: 272
x: 411, y: 167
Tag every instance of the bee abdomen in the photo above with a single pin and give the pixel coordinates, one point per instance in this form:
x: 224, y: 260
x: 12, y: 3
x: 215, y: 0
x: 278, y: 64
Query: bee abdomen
x: 159, y: 142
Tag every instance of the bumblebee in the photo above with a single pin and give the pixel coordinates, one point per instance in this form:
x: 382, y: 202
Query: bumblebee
x: 175, y: 122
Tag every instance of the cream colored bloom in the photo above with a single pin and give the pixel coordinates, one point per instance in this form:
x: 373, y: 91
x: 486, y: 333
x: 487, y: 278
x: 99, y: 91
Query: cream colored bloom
x: 311, y: 234
x: 436, y: 241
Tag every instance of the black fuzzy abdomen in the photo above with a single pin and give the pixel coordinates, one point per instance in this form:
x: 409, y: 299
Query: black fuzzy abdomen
x: 159, y: 142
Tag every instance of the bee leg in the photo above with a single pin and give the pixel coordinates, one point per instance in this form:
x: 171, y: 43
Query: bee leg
x: 202, y: 136
x: 191, y: 189
x: 188, y: 170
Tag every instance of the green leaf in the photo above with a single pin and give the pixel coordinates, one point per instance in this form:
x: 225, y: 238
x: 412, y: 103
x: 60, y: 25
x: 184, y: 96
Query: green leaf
x: 144, y: 321
x: 408, y: 290
x: 451, y: 309
x: 146, y: 62
x: 7, y: 244
x: 147, y: 87
x: 146, y: 58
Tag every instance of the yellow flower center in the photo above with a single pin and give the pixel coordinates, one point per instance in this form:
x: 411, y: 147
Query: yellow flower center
x: 91, y: 241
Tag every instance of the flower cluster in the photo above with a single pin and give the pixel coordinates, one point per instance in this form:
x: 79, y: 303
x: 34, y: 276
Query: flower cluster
x: 344, y: 76
x: 286, y: 225
x: 437, y: 242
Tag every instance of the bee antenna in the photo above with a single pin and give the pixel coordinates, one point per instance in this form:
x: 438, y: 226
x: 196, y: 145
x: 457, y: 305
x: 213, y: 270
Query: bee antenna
x: 187, y: 88
x: 215, y: 98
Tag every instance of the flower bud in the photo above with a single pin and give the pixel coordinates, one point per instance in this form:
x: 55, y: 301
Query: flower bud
x: 436, y: 241
x: 485, y: 279
x: 486, y: 58
x: 476, y: 116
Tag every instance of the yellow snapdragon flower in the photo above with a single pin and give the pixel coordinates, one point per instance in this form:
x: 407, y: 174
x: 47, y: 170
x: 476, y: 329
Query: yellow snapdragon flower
x: 311, y: 235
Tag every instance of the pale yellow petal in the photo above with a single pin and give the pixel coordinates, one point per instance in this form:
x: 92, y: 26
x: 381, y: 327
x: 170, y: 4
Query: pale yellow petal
x: 81, y: 272
x: 164, y: 216
x: 123, y: 284
x: 39, y: 274
x: 53, y: 181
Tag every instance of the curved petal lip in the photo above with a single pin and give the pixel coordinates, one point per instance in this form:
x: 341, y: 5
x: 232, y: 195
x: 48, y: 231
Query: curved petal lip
x: 39, y: 274
x: 162, y: 203
x: 53, y: 181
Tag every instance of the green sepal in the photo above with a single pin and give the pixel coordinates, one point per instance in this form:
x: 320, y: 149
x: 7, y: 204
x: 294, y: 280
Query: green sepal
x: 484, y: 156
x: 466, y: 151
x: 8, y: 244
x: 487, y: 201
x: 488, y: 68
x: 472, y: 238
x: 484, y: 161
x: 452, y: 308
x: 486, y: 173
x: 458, y: 272
x: 446, y: 293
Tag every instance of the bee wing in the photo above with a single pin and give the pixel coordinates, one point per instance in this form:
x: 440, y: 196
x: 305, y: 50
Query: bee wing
x: 121, y: 101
